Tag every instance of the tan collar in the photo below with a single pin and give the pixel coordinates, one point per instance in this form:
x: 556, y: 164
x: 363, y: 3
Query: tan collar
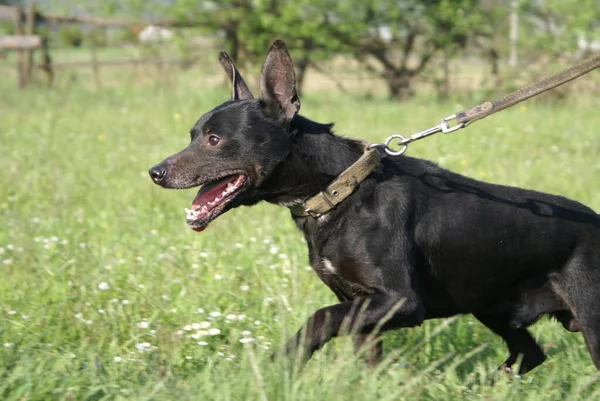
x: 340, y: 188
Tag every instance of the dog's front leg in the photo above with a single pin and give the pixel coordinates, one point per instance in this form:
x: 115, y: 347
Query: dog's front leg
x: 362, y: 316
x: 370, y: 346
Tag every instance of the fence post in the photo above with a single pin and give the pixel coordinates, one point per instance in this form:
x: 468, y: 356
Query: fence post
x: 29, y: 30
x: 18, y: 18
x: 46, y: 63
x: 93, y: 49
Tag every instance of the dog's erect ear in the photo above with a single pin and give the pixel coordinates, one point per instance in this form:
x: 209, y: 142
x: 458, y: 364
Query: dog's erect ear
x: 240, y: 90
x: 278, y: 80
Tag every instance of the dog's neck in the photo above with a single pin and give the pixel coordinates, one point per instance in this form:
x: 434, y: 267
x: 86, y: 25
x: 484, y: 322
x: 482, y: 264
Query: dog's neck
x: 316, y: 158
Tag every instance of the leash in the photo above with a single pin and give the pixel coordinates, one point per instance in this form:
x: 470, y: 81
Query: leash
x: 485, y: 109
x: 345, y: 184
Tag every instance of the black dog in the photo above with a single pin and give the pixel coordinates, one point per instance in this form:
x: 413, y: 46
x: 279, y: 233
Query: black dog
x: 413, y: 242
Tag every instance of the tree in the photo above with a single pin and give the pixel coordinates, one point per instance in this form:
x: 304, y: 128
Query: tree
x: 249, y: 27
x: 398, y: 39
x: 556, y: 26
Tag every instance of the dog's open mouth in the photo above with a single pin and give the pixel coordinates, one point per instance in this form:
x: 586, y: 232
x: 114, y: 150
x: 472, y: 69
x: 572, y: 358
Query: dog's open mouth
x: 212, y: 199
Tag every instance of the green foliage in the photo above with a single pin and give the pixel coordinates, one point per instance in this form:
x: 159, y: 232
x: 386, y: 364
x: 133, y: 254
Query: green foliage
x: 124, y: 35
x: 70, y: 35
x: 6, y: 28
x: 96, y: 37
x: 555, y: 26
x: 421, y: 36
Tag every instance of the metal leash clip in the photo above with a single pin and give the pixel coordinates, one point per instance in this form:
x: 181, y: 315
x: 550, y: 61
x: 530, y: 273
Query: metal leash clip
x: 404, y: 141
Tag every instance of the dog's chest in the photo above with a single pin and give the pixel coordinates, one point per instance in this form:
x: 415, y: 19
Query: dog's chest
x: 333, y: 274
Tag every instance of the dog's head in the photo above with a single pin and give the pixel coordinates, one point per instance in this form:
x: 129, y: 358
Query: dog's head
x: 236, y: 146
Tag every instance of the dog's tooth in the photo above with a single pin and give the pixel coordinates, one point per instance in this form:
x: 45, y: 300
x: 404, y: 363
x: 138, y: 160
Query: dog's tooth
x: 229, y: 187
x: 188, y: 211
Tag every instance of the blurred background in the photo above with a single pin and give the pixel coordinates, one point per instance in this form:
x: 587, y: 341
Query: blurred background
x: 437, y: 48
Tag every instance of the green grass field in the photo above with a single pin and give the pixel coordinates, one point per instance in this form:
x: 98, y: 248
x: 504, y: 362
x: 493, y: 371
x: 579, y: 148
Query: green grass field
x: 106, y: 294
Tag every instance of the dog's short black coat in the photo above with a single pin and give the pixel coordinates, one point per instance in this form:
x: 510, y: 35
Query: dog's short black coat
x: 414, y: 241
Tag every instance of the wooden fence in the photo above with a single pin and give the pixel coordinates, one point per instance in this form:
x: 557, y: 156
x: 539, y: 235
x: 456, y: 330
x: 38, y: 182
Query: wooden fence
x: 24, y: 41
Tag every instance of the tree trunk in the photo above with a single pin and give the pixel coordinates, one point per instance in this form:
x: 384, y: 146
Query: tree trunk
x: 444, y: 87
x: 301, y: 67
x: 302, y: 64
x: 232, y: 40
x: 400, y: 85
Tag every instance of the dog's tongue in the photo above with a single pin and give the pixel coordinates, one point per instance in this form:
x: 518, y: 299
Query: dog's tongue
x: 208, y: 197
x: 208, y: 193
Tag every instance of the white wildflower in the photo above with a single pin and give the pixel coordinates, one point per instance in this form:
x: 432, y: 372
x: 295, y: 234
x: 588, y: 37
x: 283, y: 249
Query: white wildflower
x: 214, y: 332
x: 103, y: 286
x: 247, y: 340
x: 145, y: 346
x: 198, y: 334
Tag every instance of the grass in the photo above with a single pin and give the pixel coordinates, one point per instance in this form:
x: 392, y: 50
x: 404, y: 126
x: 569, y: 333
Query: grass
x: 105, y: 294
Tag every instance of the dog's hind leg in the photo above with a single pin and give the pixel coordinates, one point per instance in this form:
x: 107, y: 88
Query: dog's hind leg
x: 584, y: 298
x: 591, y: 334
x: 519, y: 341
x: 579, y: 286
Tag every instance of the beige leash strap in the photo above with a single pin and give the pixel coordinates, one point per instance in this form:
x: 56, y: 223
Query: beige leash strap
x: 485, y: 109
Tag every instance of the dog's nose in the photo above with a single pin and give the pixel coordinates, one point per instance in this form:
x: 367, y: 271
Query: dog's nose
x: 157, y: 173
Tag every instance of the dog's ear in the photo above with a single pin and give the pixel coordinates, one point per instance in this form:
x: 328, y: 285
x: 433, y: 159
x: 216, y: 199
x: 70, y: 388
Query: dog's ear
x: 278, y: 80
x: 240, y: 90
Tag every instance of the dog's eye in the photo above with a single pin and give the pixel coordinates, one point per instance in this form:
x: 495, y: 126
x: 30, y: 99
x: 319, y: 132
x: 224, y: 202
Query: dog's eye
x: 214, y: 140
